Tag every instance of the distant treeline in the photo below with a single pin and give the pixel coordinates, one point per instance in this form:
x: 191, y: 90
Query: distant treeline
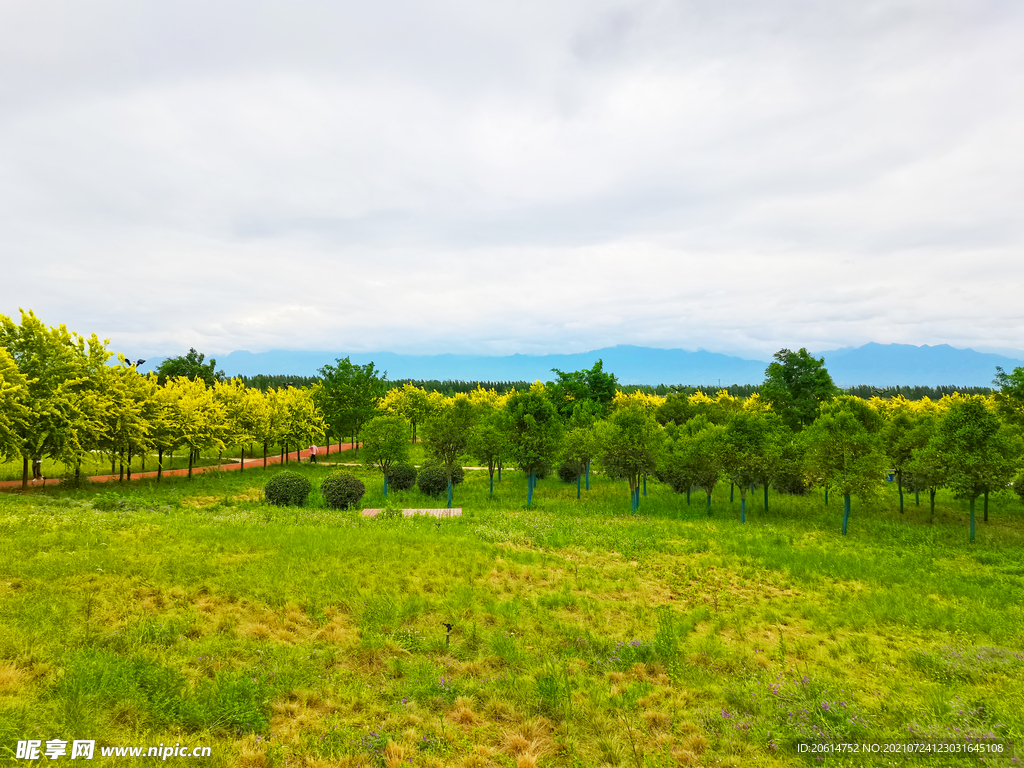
x: 449, y: 387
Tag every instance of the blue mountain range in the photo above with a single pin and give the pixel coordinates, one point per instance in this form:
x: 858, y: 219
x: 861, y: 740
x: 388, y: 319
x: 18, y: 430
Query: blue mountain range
x: 880, y: 365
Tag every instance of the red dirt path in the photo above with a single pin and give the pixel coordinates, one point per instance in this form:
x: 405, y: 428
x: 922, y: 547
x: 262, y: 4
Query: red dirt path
x: 233, y: 464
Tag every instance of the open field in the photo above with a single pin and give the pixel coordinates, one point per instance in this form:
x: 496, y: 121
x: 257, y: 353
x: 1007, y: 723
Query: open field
x: 581, y: 634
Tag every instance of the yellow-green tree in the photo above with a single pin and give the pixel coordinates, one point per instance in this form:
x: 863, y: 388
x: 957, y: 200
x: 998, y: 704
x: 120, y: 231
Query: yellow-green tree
x: 13, y: 412
x: 129, y: 409
x: 195, y: 417
x: 302, y: 423
x: 410, y: 402
x: 63, y: 374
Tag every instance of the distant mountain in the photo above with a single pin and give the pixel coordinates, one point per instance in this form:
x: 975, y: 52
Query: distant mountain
x: 880, y: 365
x: 889, y: 365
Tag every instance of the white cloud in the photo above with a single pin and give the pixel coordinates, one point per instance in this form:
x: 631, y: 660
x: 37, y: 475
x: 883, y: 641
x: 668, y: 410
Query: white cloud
x: 511, y: 177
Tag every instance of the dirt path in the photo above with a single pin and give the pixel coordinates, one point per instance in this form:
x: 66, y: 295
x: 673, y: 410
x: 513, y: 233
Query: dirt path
x: 227, y: 466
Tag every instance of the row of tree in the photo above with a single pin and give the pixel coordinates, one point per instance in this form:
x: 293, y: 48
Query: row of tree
x: 60, y: 398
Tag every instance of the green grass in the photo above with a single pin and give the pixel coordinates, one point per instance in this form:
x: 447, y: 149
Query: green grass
x: 582, y: 634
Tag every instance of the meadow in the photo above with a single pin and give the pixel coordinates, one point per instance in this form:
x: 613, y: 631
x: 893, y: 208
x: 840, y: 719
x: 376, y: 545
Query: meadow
x: 581, y: 634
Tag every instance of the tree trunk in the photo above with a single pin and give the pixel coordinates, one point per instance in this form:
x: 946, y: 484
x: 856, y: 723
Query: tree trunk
x: 708, y: 492
x: 264, y: 454
x: 931, y: 518
x: 129, y: 466
x: 972, y: 517
x: 985, y: 518
x: 241, y: 463
x: 743, y: 505
x: 120, y: 476
x: 899, y: 485
x: 24, y: 473
x: 159, y: 464
x: 191, y: 455
x: 766, y: 497
x: 846, y: 511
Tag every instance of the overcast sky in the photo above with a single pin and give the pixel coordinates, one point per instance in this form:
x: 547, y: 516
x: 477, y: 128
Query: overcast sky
x: 498, y: 177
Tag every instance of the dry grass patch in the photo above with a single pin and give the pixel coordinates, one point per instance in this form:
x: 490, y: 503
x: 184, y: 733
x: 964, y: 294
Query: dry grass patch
x: 12, y: 678
x: 200, y: 502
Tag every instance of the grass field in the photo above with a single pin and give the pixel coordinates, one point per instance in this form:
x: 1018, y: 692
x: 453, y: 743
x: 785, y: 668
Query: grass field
x: 582, y: 635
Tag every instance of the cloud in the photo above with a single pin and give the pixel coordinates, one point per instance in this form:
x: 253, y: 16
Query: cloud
x: 513, y: 177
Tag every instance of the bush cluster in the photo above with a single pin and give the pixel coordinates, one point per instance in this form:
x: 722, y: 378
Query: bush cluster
x: 287, y: 489
x: 401, y: 477
x: 341, y: 489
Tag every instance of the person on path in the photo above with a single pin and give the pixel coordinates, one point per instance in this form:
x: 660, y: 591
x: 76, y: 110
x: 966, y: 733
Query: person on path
x: 312, y: 454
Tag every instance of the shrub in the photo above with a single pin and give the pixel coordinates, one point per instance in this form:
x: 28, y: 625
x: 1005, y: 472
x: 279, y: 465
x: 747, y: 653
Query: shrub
x: 569, y: 471
x: 1018, y: 487
x: 287, y: 489
x: 341, y: 489
x: 401, y: 477
x: 791, y: 484
x: 433, y: 479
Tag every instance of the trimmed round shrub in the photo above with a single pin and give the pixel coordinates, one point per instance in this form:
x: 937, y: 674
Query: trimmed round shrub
x: 433, y: 480
x: 287, y: 489
x: 341, y: 489
x: 401, y: 477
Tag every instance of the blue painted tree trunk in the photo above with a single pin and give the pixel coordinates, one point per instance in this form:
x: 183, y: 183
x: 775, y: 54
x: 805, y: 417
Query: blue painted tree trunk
x: 766, y: 497
x: 709, y: 502
x: 917, y: 497
x: 826, y: 495
x: 645, y: 485
x: 743, y: 509
x: 385, y: 486
x: 732, y: 487
x: 972, y: 519
x: 588, y: 475
x: 577, y: 487
x: 529, y: 490
x: 449, y: 494
x: 687, y: 497
x: 492, y: 483
x: 846, y: 511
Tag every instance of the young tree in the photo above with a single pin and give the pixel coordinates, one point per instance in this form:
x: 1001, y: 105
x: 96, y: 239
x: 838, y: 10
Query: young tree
x: 408, y: 401
x: 350, y: 395
x: 842, y: 450
x: 195, y: 417
x: 979, y: 453
x: 594, y: 385
x: 385, y: 443
x: 13, y: 412
x: 926, y: 469
x: 446, y: 434
x: 129, y: 410
x: 629, y: 443
x: 487, y: 444
x: 752, y: 446
x: 63, y: 375
x: 796, y: 385
x: 1010, y: 397
x: 533, y: 431
x: 302, y: 423
x: 579, y: 447
x: 191, y: 366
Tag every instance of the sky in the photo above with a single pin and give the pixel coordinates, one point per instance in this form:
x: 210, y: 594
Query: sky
x: 514, y: 176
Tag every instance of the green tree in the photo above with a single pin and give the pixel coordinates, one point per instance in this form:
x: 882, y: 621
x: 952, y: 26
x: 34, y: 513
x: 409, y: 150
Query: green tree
x: 191, y: 366
x: 979, y: 453
x: 752, y: 449
x: 446, y: 434
x: 63, y: 374
x: 594, y: 385
x: 899, y: 441
x: 1010, y: 397
x: 796, y: 385
x: 410, y: 402
x: 385, y: 442
x: 302, y: 422
x: 533, y: 430
x: 926, y: 469
x: 843, y: 452
x: 629, y: 444
x: 350, y: 395
x: 13, y: 411
x: 579, y: 447
x: 129, y: 411
x: 488, y: 445
x: 194, y: 416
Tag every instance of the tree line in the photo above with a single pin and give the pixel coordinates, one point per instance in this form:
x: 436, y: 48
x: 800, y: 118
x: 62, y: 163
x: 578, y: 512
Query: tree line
x: 61, y: 398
